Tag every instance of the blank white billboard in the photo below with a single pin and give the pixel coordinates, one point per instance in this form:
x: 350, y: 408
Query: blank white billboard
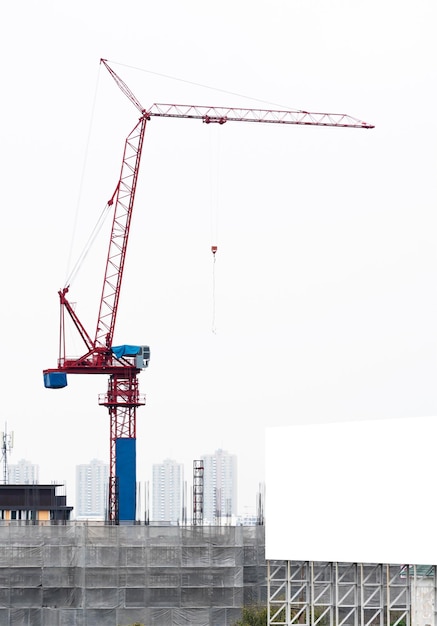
x: 359, y: 492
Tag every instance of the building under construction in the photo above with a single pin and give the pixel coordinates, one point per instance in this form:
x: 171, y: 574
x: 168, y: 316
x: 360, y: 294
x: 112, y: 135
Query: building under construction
x: 78, y: 574
x: 75, y: 574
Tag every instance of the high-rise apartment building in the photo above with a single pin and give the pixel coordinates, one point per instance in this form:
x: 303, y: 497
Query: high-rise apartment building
x: 23, y: 473
x: 219, y: 487
x: 92, y: 481
x: 167, y: 487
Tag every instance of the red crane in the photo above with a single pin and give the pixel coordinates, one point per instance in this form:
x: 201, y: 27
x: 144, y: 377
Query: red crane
x: 123, y: 363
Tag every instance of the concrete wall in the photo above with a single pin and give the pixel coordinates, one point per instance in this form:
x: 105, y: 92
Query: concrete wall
x: 423, y: 602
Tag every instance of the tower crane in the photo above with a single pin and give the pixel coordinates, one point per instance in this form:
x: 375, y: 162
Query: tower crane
x: 123, y: 363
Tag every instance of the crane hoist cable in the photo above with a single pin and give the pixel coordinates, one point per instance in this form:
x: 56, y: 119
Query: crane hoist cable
x: 214, y: 180
x: 213, y: 327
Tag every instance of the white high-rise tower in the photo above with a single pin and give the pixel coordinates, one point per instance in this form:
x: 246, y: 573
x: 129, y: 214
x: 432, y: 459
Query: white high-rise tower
x: 23, y: 473
x: 167, y: 485
x: 219, y: 487
x: 92, y: 490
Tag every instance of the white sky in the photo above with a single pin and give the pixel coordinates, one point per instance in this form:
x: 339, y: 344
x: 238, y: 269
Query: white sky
x: 326, y: 265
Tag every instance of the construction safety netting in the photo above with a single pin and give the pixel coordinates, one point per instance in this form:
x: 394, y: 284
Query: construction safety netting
x: 77, y: 574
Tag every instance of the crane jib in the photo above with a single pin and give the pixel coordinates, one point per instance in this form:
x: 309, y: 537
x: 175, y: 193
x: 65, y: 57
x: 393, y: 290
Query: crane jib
x: 221, y: 115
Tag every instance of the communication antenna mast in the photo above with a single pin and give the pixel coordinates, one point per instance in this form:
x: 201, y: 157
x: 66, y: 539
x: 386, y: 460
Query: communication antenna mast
x: 7, y: 445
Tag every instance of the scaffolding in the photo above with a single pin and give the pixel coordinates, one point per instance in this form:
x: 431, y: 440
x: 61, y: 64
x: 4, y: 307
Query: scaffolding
x: 350, y: 594
x: 78, y: 574
x: 198, y: 475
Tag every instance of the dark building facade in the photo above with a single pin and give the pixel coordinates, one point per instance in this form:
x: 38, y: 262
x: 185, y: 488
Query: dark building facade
x: 33, y: 503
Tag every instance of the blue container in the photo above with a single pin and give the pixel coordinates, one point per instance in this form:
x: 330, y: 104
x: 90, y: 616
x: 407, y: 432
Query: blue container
x: 55, y: 380
x: 125, y: 471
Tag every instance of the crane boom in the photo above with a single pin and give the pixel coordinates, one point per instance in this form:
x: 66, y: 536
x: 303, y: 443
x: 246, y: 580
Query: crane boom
x: 124, y: 363
x: 124, y: 201
x: 221, y: 115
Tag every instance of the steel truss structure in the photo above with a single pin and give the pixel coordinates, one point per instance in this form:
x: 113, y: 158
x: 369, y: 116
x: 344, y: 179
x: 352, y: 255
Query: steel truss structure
x: 349, y: 594
x: 198, y: 481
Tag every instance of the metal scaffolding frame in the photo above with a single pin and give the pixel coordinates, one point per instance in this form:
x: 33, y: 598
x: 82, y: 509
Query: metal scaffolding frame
x: 350, y: 594
x: 198, y: 490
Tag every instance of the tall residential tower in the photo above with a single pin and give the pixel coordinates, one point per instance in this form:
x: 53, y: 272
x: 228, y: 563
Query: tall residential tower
x: 92, y: 480
x: 219, y: 487
x: 167, y: 487
x: 23, y: 473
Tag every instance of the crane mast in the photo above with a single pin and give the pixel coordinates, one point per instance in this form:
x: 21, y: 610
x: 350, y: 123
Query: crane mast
x: 124, y: 363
